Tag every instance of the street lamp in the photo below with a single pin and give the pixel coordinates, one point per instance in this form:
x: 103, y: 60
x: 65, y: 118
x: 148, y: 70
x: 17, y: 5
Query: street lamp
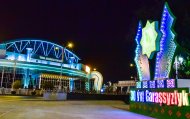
x: 180, y: 59
x: 70, y: 45
x: 132, y: 65
x: 14, y: 70
x: 178, y: 62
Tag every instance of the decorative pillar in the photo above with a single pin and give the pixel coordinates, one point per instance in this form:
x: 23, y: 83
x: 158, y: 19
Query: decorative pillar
x: 40, y: 82
x: 29, y: 54
x: 26, y: 78
x: 71, y: 85
x: 87, y: 84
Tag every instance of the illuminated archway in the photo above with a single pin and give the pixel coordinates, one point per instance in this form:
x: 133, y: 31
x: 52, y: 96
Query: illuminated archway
x: 98, y: 80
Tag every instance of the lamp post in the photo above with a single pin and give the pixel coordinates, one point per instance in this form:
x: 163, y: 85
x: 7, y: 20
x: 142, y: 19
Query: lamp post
x: 132, y: 65
x: 70, y: 45
x: 176, y: 67
x: 178, y: 62
x: 14, y: 71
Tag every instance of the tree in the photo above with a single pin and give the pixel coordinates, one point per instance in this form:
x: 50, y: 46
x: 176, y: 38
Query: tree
x: 17, y: 84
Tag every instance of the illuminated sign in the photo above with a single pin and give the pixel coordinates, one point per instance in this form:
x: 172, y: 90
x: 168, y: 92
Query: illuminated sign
x: 168, y: 98
x: 165, y: 83
x: 148, y: 41
x: 50, y: 59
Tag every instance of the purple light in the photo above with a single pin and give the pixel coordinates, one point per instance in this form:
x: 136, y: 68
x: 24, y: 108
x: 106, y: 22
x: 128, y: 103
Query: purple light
x: 160, y: 83
x: 171, y: 83
x: 152, y: 84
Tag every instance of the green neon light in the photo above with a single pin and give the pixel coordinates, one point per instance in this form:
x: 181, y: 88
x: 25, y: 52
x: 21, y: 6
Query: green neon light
x: 148, y: 41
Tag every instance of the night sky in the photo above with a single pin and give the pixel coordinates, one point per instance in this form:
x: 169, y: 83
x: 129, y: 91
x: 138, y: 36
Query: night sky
x: 103, y: 31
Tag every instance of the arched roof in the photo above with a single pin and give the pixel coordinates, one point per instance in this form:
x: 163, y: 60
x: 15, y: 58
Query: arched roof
x: 40, y: 47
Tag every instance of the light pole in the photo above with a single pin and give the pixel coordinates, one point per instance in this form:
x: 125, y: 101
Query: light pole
x: 178, y: 62
x: 70, y: 45
x: 14, y: 71
x: 132, y: 65
x: 176, y: 67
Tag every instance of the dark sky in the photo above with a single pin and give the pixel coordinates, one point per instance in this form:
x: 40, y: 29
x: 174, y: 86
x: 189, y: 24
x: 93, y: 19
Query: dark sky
x: 103, y: 31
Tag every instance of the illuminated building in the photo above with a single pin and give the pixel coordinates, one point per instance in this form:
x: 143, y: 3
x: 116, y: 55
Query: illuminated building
x: 35, y: 62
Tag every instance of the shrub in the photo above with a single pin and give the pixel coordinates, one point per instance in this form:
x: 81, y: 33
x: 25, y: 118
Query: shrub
x: 16, y: 84
x: 33, y: 93
x: 13, y: 92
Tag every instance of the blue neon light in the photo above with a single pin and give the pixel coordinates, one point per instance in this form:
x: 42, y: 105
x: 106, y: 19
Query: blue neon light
x: 44, y: 48
x: 34, y: 66
x: 167, y: 46
x: 141, y: 60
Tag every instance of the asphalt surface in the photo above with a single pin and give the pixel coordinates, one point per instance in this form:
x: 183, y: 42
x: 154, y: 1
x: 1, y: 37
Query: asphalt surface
x: 13, y: 107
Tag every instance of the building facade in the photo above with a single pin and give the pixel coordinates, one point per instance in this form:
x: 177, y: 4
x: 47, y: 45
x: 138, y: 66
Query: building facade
x: 35, y: 62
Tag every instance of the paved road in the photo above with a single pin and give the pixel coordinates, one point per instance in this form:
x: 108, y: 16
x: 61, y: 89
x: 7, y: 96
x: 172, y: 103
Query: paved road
x: 19, y: 108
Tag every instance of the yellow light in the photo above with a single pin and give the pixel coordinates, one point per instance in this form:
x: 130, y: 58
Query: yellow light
x: 94, y: 69
x: 131, y: 65
x: 87, y: 69
x: 70, y: 45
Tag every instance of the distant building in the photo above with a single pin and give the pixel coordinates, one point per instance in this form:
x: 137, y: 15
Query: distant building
x: 125, y: 84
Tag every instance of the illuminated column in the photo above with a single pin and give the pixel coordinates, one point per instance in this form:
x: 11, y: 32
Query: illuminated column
x: 40, y: 81
x: 26, y: 78
x: 71, y: 85
x: 33, y: 78
x: 87, y: 84
x: 29, y: 54
x: 87, y: 81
